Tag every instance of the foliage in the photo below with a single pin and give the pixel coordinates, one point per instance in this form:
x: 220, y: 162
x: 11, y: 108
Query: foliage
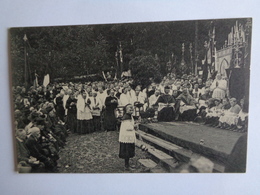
x: 67, y: 51
x: 144, y: 70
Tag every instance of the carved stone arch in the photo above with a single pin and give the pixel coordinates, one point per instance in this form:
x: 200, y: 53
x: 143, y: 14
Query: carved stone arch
x: 223, y: 66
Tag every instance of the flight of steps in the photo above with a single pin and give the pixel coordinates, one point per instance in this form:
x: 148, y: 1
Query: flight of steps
x: 165, y: 156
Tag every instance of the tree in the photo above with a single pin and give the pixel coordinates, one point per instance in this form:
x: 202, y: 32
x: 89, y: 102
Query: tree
x: 67, y: 51
x: 145, y: 70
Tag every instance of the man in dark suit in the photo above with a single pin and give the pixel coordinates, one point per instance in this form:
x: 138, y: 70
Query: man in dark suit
x: 24, y: 157
x: 37, y: 151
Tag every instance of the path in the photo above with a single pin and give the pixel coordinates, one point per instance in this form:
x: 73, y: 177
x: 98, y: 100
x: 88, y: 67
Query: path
x: 95, y: 153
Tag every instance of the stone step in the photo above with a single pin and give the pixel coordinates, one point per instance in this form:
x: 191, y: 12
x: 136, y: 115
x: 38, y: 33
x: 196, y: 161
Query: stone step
x: 158, y: 169
x: 178, y: 152
x: 147, y: 163
x: 209, y: 142
x: 162, y: 159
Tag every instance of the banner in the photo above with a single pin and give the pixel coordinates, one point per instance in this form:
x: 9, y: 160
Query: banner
x: 46, y: 80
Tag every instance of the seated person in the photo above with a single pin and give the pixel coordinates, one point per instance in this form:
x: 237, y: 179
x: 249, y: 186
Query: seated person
x: 186, y: 106
x: 229, y: 117
x: 204, y: 98
x: 196, y: 92
x: 23, y: 154
x: 37, y: 151
x: 214, y: 113
x: 153, y: 98
x: 225, y: 104
x: 166, y: 102
x: 49, y: 141
x: 242, y: 120
x: 219, y: 87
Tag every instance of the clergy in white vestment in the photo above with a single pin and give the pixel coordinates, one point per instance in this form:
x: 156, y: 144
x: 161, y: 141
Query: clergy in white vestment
x: 219, y: 87
x: 102, y: 95
x: 153, y: 98
x: 96, y: 108
x: 124, y: 98
x: 84, y: 115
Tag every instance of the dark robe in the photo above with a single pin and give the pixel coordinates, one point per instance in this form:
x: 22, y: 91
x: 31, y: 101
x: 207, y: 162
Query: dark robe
x: 201, y: 86
x: 110, y: 120
x: 59, y: 108
x: 23, y: 153
x: 188, y: 115
x: 236, y: 162
x: 72, y: 114
x: 149, y: 93
x: 118, y: 95
x: 48, y: 96
x: 167, y: 113
x: 37, y: 151
x: 205, y: 96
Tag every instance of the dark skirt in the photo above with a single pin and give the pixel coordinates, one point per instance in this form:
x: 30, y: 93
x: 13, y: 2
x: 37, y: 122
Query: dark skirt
x: 96, y: 123
x: 72, y: 122
x: 166, y: 114
x: 60, y: 113
x: 110, y: 120
x: 189, y: 115
x: 126, y: 150
x: 85, y: 126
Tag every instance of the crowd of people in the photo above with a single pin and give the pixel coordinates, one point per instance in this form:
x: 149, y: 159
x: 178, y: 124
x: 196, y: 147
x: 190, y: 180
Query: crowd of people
x: 44, y: 116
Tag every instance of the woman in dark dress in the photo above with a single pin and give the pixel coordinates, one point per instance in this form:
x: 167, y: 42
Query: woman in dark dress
x: 71, y: 105
x: 59, y: 107
x: 111, y: 103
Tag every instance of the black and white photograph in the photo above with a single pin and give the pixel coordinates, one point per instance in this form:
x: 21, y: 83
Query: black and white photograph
x: 147, y: 97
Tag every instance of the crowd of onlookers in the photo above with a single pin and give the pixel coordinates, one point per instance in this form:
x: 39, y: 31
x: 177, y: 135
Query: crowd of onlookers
x: 44, y: 116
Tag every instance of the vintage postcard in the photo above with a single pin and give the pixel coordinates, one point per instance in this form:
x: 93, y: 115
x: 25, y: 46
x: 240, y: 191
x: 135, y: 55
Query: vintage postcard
x: 155, y: 97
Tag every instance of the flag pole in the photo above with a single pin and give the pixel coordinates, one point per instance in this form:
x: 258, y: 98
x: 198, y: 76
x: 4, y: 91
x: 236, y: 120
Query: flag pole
x: 121, y: 58
x: 191, y: 59
x: 196, y: 48
x: 25, y: 62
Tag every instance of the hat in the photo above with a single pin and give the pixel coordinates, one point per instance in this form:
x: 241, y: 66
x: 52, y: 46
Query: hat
x: 33, y: 130
x: 217, y: 99
x: 138, y: 87
x: 17, y: 113
x: 48, y: 109
x: 65, y: 87
x: 40, y: 120
x: 40, y: 100
x: 167, y: 87
x: 94, y: 91
x: 33, y: 116
x: 233, y: 99
x: 157, y: 90
x: 43, y: 111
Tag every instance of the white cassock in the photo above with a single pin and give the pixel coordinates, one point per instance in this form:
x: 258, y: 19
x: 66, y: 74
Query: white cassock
x: 152, y: 100
x: 83, y: 111
x: 219, y: 88
x: 65, y: 98
x: 95, y: 102
x: 124, y: 100
x: 102, y: 97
